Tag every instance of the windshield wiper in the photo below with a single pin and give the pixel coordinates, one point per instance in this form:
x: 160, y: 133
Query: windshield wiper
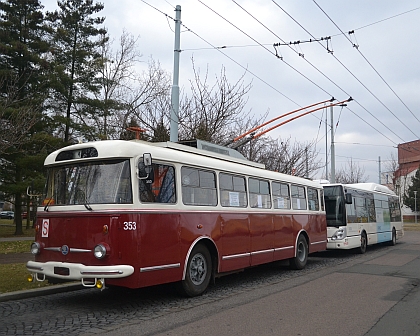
x: 86, y: 204
x: 48, y: 203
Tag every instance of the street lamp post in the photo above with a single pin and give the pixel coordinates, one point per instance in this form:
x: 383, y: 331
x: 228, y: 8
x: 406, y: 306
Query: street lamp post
x: 415, y: 206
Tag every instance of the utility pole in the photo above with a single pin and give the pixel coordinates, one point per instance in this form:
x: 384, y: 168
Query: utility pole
x: 379, y: 171
x: 332, y: 148
x: 415, y: 205
x: 326, y: 144
x: 175, y: 85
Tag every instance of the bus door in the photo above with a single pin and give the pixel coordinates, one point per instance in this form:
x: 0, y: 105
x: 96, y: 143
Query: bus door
x: 234, y: 223
x: 159, y: 225
x: 235, y: 241
x: 261, y: 222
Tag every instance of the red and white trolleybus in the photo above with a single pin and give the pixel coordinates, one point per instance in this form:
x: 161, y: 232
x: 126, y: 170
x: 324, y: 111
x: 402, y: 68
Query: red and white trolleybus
x: 136, y: 214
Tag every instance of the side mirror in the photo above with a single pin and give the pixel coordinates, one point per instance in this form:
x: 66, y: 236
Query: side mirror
x: 349, y: 198
x: 147, y: 161
x: 145, y: 166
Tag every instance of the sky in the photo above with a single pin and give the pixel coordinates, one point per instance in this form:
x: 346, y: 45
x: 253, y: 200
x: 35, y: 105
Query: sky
x: 378, y: 64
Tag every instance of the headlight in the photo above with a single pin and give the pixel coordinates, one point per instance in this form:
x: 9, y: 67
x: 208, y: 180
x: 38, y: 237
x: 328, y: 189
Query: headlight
x: 35, y: 248
x: 99, y: 251
x: 339, y: 234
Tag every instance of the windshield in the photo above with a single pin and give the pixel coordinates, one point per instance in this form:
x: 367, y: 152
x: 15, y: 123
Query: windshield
x: 334, y: 205
x: 97, y: 182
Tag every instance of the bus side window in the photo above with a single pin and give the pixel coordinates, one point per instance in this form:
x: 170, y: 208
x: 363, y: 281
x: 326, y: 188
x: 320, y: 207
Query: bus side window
x: 394, y: 209
x: 371, y: 210
x: 259, y: 194
x: 232, y: 191
x: 159, y: 187
x: 313, y: 200
x: 198, y: 187
x: 281, y: 195
x: 298, y: 198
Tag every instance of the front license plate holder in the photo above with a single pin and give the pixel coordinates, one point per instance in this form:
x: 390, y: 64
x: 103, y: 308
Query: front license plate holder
x: 61, y: 271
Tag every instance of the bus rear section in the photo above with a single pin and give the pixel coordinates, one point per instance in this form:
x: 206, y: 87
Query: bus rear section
x: 361, y: 214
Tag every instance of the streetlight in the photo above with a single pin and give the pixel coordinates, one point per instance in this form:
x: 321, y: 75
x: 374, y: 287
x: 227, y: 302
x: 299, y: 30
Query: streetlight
x: 415, y: 205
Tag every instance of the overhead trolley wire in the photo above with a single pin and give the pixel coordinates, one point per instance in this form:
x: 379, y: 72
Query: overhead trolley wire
x: 370, y: 64
x: 320, y: 70
x: 259, y: 78
x: 260, y: 44
x: 348, y: 70
x: 218, y: 49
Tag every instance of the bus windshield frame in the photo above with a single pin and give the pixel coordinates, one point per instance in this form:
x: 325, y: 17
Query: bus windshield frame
x: 93, y: 182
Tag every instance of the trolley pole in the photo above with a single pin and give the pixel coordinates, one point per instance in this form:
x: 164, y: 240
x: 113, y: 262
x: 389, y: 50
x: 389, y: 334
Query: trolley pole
x: 175, y: 85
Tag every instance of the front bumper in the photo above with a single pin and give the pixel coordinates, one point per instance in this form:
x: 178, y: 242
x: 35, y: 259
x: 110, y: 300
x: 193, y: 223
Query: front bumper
x: 73, y: 271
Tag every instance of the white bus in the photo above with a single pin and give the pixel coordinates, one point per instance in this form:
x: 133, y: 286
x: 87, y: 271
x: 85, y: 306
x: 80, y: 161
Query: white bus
x: 361, y: 214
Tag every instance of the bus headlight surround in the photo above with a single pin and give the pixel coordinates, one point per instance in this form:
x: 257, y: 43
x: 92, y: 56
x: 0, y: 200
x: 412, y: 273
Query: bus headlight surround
x: 339, y: 234
x: 35, y: 248
x: 100, y: 251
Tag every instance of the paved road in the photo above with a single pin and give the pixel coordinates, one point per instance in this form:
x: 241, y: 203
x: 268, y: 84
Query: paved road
x: 337, y: 294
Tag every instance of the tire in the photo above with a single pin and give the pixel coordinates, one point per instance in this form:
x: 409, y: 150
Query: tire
x: 393, y: 240
x: 301, y: 258
x: 198, y: 272
x: 363, y: 243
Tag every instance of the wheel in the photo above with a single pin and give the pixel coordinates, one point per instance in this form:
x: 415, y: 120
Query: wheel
x: 393, y: 240
x: 363, y: 243
x: 198, y: 272
x: 299, y: 262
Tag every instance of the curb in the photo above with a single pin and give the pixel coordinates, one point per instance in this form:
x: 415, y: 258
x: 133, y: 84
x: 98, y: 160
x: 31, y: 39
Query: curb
x: 30, y: 293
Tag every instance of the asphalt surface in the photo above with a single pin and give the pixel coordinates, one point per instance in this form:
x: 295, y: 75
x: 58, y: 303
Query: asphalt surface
x: 374, y: 294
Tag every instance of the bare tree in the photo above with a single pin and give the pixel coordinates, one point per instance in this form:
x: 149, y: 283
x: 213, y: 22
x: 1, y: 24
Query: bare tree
x: 117, y: 74
x: 148, y: 103
x: 299, y: 159
x: 352, y: 173
x: 212, y: 109
x: 391, y: 167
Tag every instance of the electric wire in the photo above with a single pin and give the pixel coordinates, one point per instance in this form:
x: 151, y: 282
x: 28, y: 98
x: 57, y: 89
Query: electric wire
x: 253, y: 74
x: 237, y: 63
x: 260, y: 44
x: 349, y: 71
x: 382, y: 20
x: 374, y: 69
x: 320, y: 70
x: 270, y: 44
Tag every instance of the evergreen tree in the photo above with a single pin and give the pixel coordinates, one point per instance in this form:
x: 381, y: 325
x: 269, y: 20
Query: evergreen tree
x: 77, y: 38
x: 23, y: 78
x: 409, y: 199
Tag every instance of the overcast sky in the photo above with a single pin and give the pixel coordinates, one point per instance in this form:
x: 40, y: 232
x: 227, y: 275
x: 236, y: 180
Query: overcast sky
x: 382, y: 74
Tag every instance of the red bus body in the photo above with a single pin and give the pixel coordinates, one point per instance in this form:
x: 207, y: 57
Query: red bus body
x: 149, y: 244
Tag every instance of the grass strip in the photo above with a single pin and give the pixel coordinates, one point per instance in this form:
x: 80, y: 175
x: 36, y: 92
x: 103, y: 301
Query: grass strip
x: 20, y: 246
x: 14, y: 277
